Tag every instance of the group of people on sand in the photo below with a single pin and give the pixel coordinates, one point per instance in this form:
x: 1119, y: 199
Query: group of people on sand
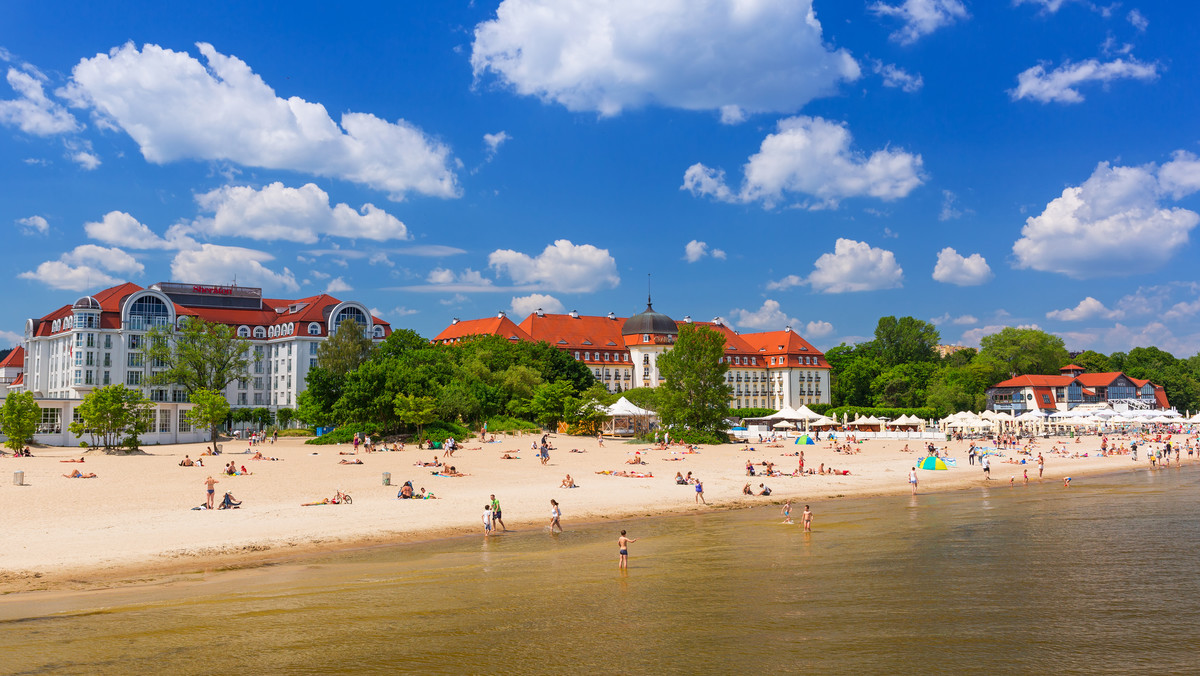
x: 20, y: 453
x: 763, y: 490
x: 233, y: 470
x: 407, y: 493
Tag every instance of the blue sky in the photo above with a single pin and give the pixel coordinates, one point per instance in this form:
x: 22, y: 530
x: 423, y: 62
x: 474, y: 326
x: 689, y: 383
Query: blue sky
x: 975, y: 164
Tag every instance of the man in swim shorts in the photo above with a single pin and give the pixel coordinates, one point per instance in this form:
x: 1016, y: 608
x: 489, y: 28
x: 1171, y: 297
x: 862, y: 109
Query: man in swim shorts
x: 496, y: 513
x: 623, y: 551
x: 806, y: 519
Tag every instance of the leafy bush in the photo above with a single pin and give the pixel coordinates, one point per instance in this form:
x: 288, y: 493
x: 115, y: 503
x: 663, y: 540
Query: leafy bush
x: 501, y: 423
x: 698, y: 437
x: 298, y: 432
x: 440, y: 431
x: 889, y: 413
x: 345, y: 434
x: 744, y: 413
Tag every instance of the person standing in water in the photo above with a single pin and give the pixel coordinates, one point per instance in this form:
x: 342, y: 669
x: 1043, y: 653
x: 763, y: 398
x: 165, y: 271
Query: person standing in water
x: 806, y: 519
x: 912, y: 479
x: 787, y: 511
x: 496, y: 514
x: 623, y: 551
x: 555, y: 515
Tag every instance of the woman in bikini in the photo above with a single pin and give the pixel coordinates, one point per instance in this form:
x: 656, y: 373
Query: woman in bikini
x: 555, y: 514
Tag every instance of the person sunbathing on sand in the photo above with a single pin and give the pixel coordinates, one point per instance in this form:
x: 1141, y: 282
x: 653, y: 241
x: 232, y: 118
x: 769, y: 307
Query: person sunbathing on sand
x: 509, y: 456
x: 79, y: 460
x: 186, y: 462
x: 435, y: 463
x: 635, y: 460
x: 355, y: 461
x: 746, y: 490
x: 80, y: 475
x: 568, y: 482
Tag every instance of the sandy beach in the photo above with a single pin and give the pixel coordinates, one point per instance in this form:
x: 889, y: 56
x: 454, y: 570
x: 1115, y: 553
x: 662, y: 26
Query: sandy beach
x: 135, y: 520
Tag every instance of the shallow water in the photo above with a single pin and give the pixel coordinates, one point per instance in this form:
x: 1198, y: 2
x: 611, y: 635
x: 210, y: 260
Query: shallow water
x: 1102, y: 577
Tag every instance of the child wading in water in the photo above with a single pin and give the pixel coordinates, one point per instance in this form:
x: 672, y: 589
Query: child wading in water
x: 787, y: 511
x: 623, y: 551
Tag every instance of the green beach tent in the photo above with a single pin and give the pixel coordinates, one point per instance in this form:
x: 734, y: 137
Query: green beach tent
x: 804, y: 439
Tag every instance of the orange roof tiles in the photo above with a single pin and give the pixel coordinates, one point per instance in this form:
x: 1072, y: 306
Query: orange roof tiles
x: 576, y: 332
x: 491, y: 326
x: 14, y: 359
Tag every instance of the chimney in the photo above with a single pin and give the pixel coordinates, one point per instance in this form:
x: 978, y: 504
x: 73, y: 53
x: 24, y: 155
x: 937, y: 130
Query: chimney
x: 453, y: 321
x: 501, y: 314
x: 787, y: 329
x: 574, y: 314
x: 687, y: 319
x: 612, y: 315
x: 539, y: 312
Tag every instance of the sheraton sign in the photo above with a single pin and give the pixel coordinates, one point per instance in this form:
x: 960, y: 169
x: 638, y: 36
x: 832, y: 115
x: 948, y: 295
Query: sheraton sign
x: 213, y: 290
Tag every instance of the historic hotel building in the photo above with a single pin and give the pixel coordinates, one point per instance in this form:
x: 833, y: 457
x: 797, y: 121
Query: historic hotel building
x: 100, y: 339
x: 771, y: 369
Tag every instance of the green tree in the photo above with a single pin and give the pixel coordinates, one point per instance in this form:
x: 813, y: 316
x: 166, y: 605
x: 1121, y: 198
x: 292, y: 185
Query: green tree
x: 345, y: 350
x: 694, y: 394
x: 416, y: 411
x: 905, y: 340
x: 1092, y: 362
x: 321, y: 393
x: 210, y: 410
x: 904, y: 385
x: 549, y: 402
x: 19, y: 418
x: 199, y: 356
x: 852, y: 382
x: 109, y: 413
x: 262, y: 416
x: 1014, y: 352
x: 285, y: 417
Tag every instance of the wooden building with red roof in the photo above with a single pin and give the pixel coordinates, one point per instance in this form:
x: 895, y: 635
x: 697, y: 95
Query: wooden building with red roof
x: 1073, y: 387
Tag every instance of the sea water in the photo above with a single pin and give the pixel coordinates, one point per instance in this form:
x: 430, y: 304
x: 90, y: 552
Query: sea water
x: 1100, y: 577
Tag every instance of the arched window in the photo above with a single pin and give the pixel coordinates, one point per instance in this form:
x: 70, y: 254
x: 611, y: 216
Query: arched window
x: 378, y: 331
x: 351, y: 313
x: 260, y: 332
x: 314, y: 328
x: 243, y: 332
x: 148, y: 312
x: 291, y: 328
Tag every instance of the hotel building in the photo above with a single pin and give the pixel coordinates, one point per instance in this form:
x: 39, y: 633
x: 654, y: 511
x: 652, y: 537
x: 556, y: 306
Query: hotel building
x: 100, y: 340
x: 771, y: 369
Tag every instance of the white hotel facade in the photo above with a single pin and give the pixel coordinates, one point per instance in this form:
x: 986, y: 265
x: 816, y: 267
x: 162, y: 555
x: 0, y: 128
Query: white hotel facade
x: 100, y: 340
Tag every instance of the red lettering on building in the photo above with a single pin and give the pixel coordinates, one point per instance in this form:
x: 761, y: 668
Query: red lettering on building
x: 216, y: 290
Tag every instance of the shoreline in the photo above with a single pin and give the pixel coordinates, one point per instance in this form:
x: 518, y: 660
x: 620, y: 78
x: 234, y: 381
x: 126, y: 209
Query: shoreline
x: 279, y: 532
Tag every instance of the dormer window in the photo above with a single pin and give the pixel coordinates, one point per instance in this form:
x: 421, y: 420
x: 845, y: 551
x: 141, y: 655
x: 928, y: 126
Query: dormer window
x: 260, y: 332
x: 243, y: 332
x: 314, y: 328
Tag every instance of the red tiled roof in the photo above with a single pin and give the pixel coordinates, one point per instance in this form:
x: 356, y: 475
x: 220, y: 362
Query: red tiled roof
x: 1072, y: 367
x: 1098, y: 379
x: 1039, y: 392
x: 1036, y: 381
x: 491, y: 326
x: 14, y: 359
x: 1160, y: 397
x: 582, y: 332
x: 785, y: 343
x: 18, y: 380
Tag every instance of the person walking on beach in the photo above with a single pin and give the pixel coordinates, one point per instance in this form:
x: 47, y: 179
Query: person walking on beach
x: 912, y: 479
x: 487, y: 520
x: 210, y: 482
x: 496, y: 513
x: 806, y: 519
x: 623, y: 551
x: 987, y: 468
x: 555, y: 515
x: 787, y: 511
x: 700, y: 492
x: 1042, y: 464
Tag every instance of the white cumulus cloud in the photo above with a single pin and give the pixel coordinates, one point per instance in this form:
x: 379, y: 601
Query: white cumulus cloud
x: 1113, y: 224
x: 562, y: 267
x: 812, y: 156
x: 896, y: 77
x: 1088, y: 308
x: 337, y: 285
x: 818, y: 329
x: 732, y: 56
x: 695, y: 250
x: 920, y: 17
x: 524, y: 305
x: 122, y: 229
x: 177, y: 108
x: 85, y: 267
x: 855, y: 266
x: 1061, y: 84
x: 492, y: 142
x: 34, y: 113
x: 277, y: 212
x: 770, y: 316
x: 213, y: 264
x: 33, y: 225
x: 954, y: 268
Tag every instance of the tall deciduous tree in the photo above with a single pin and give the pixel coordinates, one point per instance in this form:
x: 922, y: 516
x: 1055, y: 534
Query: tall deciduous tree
x: 345, y: 350
x: 416, y: 411
x: 905, y: 340
x: 109, y: 413
x: 1015, y: 352
x: 210, y: 410
x: 19, y: 418
x: 694, y: 394
x: 198, y: 356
